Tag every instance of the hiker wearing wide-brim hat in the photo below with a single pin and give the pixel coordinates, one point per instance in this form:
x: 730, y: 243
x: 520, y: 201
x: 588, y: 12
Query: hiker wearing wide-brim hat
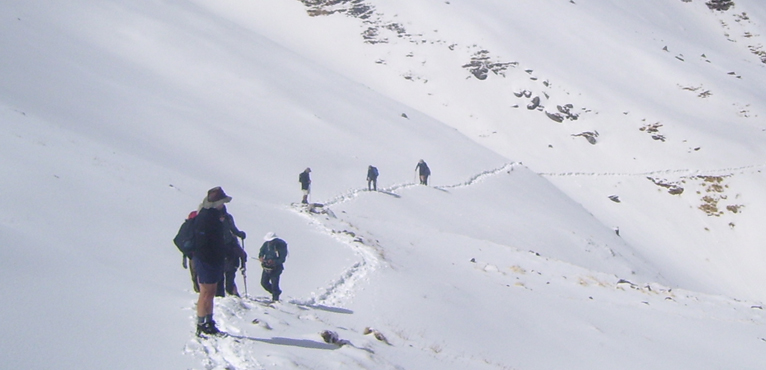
x: 209, y: 255
x: 215, y: 198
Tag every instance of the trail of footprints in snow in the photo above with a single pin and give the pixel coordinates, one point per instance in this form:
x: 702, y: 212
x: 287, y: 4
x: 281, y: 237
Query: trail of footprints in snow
x: 584, y: 279
x: 368, y: 248
x: 682, y: 172
x: 232, y: 353
x: 370, y: 255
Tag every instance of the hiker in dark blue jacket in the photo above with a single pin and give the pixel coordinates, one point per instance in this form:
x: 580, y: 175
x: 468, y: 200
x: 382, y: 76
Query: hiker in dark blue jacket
x: 423, y: 171
x: 305, y: 179
x: 372, y: 178
x: 272, y: 256
x: 209, y: 256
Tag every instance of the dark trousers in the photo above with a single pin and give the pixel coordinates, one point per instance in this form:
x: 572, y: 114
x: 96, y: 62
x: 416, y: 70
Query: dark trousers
x: 228, y: 285
x: 270, y: 282
x: 372, y: 184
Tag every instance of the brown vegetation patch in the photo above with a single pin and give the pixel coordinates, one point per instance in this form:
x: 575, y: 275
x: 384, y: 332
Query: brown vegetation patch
x: 713, y: 193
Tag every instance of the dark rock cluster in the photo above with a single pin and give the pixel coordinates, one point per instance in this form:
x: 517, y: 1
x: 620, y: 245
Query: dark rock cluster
x: 721, y: 5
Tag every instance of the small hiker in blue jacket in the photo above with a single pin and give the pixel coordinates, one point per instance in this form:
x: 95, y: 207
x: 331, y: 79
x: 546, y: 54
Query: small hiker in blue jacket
x: 372, y: 178
x: 272, y: 256
x: 305, y: 179
x: 423, y: 171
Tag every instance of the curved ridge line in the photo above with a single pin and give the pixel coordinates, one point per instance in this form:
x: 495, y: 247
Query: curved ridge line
x: 475, y: 179
x: 741, y: 169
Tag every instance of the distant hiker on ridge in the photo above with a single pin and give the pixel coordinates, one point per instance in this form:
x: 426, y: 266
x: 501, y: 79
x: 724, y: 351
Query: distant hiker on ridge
x: 272, y: 256
x: 209, y: 257
x: 305, y: 181
x: 233, y: 254
x: 423, y: 171
x: 372, y: 178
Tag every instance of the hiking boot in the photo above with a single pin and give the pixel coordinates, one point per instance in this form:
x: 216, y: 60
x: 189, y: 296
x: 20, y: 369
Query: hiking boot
x: 208, y: 328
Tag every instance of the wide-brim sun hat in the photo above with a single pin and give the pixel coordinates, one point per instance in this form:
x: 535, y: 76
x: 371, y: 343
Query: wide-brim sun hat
x: 215, y: 197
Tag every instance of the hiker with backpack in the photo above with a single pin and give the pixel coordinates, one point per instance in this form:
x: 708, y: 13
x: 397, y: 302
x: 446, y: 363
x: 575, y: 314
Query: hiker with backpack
x: 372, y: 178
x: 423, y: 171
x: 305, y: 181
x: 233, y: 255
x: 209, y: 255
x: 183, y: 241
x: 272, y: 256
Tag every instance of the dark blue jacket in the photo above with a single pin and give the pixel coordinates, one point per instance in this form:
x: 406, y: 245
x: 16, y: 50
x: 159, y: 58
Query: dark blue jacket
x: 209, y: 236
x: 230, y: 234
x: 305, y: 180
x: 274, y: 253
x: 423, y: 169
x: 372, y: 173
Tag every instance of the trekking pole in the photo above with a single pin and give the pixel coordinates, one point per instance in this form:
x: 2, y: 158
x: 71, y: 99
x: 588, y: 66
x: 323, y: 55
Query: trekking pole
x: 244, y: 268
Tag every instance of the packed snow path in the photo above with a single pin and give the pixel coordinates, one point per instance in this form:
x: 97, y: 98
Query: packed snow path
x: 365, y: 246
x: 260, y: 331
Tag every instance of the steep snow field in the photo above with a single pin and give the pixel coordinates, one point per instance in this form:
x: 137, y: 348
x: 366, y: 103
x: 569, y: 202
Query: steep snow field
x: 626, y: 236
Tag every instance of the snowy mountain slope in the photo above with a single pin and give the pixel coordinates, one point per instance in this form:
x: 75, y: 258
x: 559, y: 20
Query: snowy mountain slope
x: 725, y: 241
x: 454, y: 301
x: 659, y: 87
x: 508, y: 208
x: 118, y: 116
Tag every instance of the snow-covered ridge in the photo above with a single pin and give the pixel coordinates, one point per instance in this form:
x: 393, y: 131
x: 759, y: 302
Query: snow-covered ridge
x: 526, y: 278
x: 629, y: 238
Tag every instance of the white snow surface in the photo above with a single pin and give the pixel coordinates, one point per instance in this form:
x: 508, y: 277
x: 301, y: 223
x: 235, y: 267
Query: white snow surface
x: 531, y: 248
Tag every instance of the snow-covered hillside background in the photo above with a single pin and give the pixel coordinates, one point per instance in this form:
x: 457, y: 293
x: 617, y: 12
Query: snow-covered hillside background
x: 597, y: 196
